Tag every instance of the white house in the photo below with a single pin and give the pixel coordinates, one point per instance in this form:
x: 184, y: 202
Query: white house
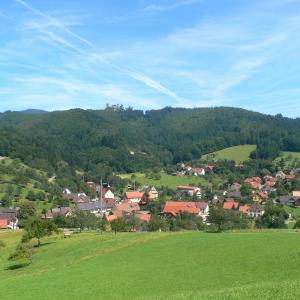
x: 204, y: 209
x: 255, y: 211
x: 189, y: 190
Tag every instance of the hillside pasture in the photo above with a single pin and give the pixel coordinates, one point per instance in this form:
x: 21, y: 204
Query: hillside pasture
x: 168, y: 180
x: 237, y: 153
x: 152, y: 266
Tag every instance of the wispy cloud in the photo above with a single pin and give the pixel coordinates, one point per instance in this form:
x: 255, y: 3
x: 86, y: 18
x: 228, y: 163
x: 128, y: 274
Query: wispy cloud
x: 69, y: 88
x: 150, y: 82
x: 4, y: 16
x: 154, y: 8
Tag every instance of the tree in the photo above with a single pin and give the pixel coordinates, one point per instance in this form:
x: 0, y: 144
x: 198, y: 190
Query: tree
x: 273, y: 217
x: 188, y: 221
x: 23, y: 251
x: 118, y: 225
x: 83, y: 219
x: 217, y: 216
x: 38, y: 228
x: 101, y: 224
x: 246, y: 190
x: 132, y: 222
x: 6, y: 201
x: 297, y: 224
x: 157, y: 223
x: 30, y: 195
x: 27, y: 210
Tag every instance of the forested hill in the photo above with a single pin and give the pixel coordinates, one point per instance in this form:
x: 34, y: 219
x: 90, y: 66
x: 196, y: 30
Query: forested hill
x: 118, y: 139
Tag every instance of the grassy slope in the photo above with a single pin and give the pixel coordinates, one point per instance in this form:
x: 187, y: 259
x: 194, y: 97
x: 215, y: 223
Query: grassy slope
x: 291, y: 158
x: 236, y: 153
x: 189, y: 265
x: 286, y: 154
x: 169, y: 180
x: 8, y: 180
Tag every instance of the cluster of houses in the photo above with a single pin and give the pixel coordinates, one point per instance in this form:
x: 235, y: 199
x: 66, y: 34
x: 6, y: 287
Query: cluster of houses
x: 183, y: 169
x: 132, y: 202
x: 188, y: 199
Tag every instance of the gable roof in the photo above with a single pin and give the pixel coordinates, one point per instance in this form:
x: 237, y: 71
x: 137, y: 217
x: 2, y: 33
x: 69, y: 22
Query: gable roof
x: 296, y: 193
x: 230, y: 205
x: 134, y: 195
x: 175, y: 207
x: 244, y: 209
x: 127, y: 207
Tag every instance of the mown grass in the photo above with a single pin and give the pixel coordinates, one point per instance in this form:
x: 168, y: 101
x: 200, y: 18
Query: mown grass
x: 237, y: 153
x: 188, y: 265
x: 168, y: 180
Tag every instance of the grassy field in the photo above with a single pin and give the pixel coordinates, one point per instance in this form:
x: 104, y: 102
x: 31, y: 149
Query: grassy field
x: 291, y: 159
x: 236, y: 153
x: 168, y: 180
x: 292, y: 155
x: 146, y: 266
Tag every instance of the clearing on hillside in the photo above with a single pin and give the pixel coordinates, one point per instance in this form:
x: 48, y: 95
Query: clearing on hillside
x: 179, y: 265
x: 237, y: 153
x: 168, y: 180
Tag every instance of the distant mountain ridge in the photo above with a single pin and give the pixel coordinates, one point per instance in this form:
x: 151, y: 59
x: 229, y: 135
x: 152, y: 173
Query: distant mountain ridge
x: 33, y: 111
x: 127, y: 140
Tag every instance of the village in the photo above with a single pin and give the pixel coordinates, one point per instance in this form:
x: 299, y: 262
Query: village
x: 246, y: 199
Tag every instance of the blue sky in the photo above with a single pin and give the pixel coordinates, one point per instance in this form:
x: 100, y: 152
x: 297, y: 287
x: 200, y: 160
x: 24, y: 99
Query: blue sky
x: 60, y: 54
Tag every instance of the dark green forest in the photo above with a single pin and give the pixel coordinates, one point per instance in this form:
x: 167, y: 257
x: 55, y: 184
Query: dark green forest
x: 119, y: 139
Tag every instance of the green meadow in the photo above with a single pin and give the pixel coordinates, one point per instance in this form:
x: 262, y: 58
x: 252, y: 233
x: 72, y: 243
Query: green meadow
x: 146, y: 266
x: 168, y: 180
x: 237, y: 153
x: 291, y: 159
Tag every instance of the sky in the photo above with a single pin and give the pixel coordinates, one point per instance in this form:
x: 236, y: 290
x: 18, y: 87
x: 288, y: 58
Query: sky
x: 148, y: 54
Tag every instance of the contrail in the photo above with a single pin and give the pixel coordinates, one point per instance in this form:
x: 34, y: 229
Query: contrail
x: 133, y: 74
x: 56, y: 23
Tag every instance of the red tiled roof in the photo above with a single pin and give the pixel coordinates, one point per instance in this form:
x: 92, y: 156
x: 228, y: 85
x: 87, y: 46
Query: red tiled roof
x: 255, y: 185
x: 143, y: 217
x: 127, y: 207
x: 244, y: 209
x: 186, y: 187
x: 256, y: 178
x: 134, y: 195
x: 175, y: 207
x: 230, y: 205
x: 291, y: 176
x: 3, y: 223
x: 270, y: 183
x: 107, y: 201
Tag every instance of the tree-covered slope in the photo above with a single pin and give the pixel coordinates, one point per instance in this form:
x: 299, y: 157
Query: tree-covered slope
x: 129, y: 140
